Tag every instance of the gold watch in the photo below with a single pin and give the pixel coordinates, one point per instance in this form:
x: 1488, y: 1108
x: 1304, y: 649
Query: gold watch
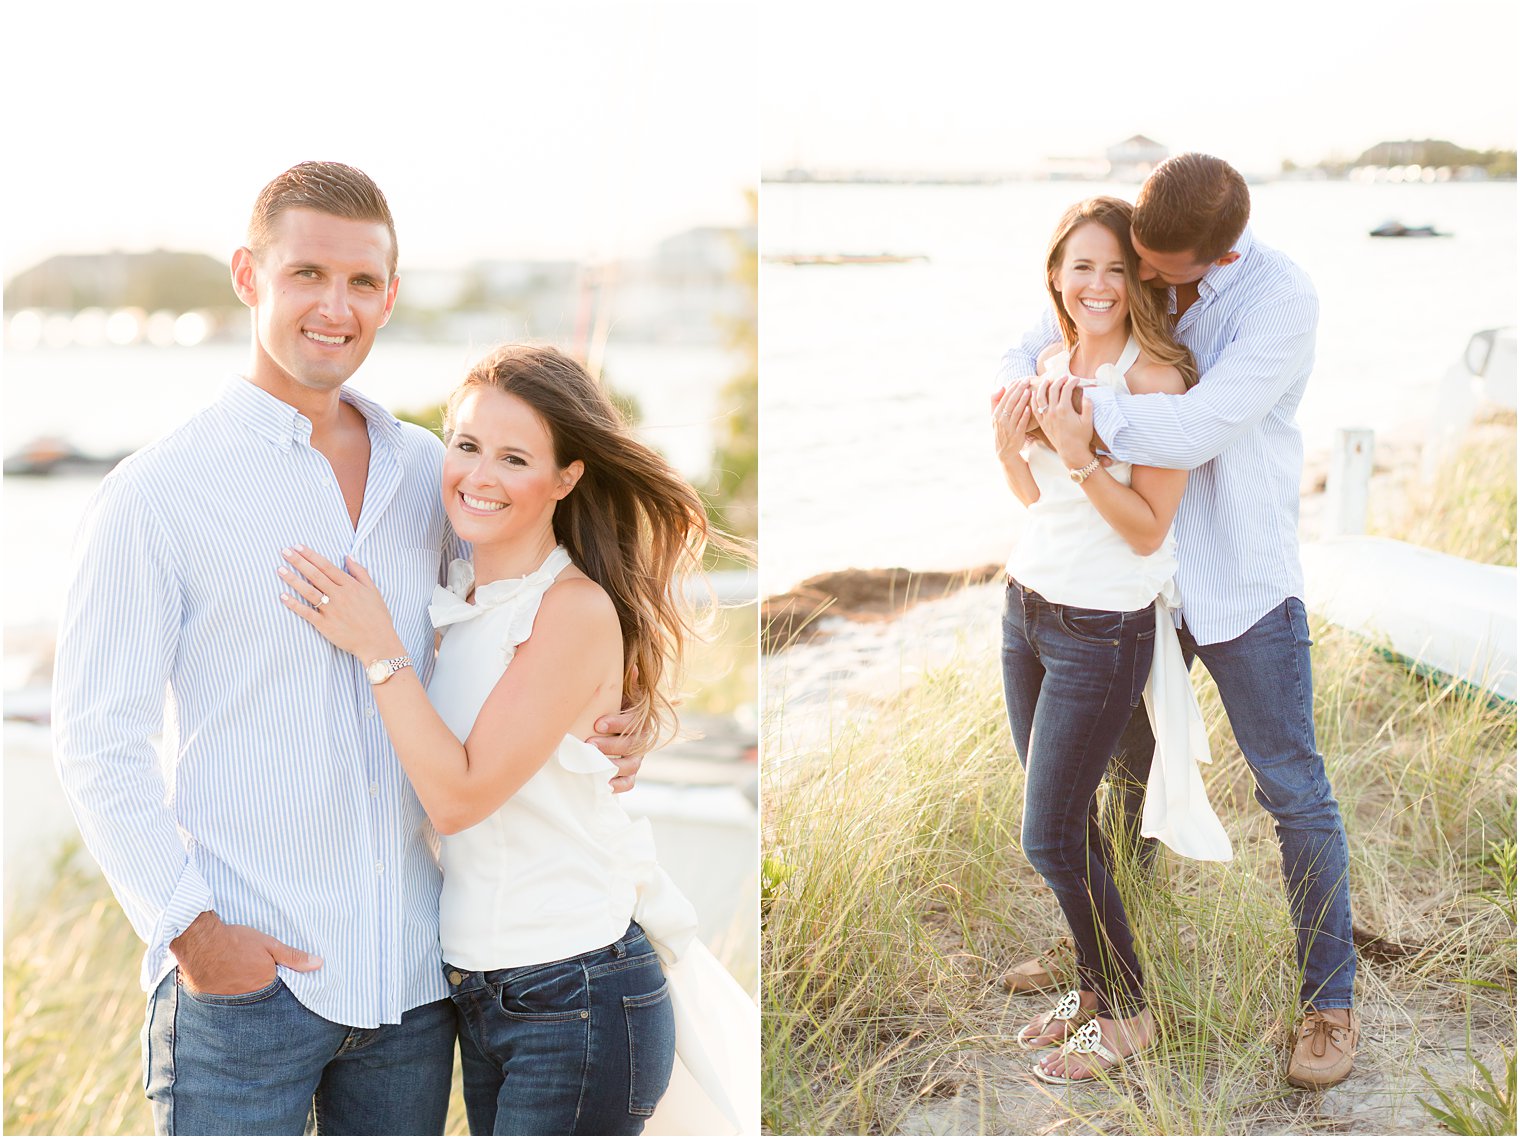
x: 379, y: 671
x: 1079, y: 474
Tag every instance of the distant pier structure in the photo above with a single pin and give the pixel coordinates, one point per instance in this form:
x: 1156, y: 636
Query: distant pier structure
x: 1133, y: 159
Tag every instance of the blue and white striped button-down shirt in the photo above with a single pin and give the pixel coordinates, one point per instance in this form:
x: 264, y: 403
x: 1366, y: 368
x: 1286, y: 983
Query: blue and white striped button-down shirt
x: 1251, y: 332
x: 278, y: 801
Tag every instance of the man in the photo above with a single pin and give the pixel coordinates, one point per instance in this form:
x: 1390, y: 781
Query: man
x: 1248, y: 314
x: 278, y: 865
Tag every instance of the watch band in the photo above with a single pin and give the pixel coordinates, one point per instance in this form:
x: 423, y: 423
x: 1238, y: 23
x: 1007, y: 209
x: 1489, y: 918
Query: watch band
x: 1079, y: 474
x: 379, y: 671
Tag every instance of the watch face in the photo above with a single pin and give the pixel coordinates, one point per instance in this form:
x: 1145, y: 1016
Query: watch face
x: 379, y: 671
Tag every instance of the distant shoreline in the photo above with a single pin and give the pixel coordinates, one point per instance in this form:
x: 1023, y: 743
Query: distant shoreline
x: 875, y: 594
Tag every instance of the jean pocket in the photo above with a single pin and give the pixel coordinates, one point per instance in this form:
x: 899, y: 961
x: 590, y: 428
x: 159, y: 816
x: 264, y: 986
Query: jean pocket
x: 231, y: 1000
x: 554, y: 993
x: 651, y: 1048
x: 1091, y: 626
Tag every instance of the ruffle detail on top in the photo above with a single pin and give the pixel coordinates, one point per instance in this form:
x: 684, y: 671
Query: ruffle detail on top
x: 1108, y: 375
x: 523, y: 594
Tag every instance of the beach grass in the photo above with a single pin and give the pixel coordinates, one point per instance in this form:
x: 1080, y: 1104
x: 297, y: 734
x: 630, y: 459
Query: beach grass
x: 897, y: 897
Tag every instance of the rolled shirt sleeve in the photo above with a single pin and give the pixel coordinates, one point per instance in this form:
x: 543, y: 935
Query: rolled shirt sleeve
x: 1271, y: 352
x: 116, y: 648
x: 1021, y: 360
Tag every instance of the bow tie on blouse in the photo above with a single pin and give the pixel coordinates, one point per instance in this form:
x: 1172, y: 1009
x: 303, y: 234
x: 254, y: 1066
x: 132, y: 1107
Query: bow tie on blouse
x: 449, y: 605
x: 1108, y: 375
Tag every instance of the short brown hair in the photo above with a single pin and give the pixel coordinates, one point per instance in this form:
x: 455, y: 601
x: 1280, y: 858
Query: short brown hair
x: 1192, y: 203
x: 327, y: 187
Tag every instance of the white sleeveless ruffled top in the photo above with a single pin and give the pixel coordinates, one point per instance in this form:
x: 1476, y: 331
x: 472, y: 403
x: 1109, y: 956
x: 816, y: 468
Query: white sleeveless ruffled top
x: 559, y: 868
x: 1069, y: 555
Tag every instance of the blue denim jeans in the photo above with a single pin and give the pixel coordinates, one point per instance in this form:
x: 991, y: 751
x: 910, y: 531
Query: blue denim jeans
x: 1071, y: 678
x: 1268, y: 693
x: 583, y: 1046
x: 261, y: 1063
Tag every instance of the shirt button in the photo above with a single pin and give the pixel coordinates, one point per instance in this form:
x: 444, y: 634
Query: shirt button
x: 370, y: 711
x: 374, y: 790
x: 379, y: 868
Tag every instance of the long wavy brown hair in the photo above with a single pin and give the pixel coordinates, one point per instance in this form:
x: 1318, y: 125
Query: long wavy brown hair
x: 632, y: 524
x: 1148, y: 318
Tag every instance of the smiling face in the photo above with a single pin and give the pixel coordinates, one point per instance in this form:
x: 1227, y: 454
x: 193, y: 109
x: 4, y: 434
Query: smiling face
x: 500, y: 478
x: 320, y: 290
x: 1090, y: 280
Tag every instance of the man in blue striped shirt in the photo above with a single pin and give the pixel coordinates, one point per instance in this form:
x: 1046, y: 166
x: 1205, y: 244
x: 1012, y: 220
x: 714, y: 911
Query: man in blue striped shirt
x: 275, y: 860
x: 1249, y: 315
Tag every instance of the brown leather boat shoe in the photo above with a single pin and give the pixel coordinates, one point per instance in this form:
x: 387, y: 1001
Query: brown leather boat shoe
x: 1052, y: 969
x: 1325, y: 1047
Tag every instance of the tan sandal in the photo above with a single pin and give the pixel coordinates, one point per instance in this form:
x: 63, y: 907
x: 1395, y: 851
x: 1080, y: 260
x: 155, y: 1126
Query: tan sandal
x: 1068, y: 1012
x: 1050, y: 970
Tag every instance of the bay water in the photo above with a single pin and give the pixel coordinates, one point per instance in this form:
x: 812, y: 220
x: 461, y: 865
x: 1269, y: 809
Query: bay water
x: 876, y: 445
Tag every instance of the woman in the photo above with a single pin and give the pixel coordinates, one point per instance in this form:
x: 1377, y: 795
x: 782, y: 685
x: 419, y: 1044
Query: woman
x: 553, y: 908
x: 1086, y: 614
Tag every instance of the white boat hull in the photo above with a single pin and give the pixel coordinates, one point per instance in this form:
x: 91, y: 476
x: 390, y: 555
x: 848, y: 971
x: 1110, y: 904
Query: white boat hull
x: 1449, y: 614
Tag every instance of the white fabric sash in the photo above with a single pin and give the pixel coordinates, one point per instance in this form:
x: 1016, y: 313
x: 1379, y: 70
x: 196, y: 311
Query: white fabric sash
x: 1177, y: 809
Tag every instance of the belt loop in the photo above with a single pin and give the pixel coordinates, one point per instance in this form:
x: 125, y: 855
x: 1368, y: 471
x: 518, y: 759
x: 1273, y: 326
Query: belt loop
x: 619, y: 948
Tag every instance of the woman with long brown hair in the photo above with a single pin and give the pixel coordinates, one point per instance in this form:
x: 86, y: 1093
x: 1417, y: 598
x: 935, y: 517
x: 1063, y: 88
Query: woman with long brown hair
x: 555, y: 916
x: 1087, y: 617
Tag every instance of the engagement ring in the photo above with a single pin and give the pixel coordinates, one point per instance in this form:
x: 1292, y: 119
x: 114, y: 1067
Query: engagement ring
x: 323, y: 601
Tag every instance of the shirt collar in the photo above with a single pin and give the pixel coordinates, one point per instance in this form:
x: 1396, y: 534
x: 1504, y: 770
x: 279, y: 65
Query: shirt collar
x: 275, y: 420
x: 1220, y: 277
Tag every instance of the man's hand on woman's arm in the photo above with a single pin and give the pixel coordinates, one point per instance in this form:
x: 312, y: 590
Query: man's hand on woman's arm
x: 617, y: 742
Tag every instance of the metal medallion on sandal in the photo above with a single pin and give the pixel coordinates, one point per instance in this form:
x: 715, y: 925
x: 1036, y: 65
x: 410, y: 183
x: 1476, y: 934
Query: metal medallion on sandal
x: 1069, y: 1013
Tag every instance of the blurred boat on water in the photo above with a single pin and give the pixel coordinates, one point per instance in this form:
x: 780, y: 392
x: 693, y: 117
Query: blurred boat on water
x: 1399, y: 229
x: 50, y: 455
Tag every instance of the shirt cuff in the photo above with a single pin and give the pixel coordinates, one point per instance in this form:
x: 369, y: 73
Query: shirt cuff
x: 191, y: 898
x: 1108, y: 421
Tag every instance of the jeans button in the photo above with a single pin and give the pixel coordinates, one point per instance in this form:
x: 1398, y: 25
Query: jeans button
x: 584, y: 1014
x: 455, y: 976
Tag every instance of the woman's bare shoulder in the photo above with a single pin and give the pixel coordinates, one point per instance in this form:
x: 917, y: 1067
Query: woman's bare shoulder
x: 578, y: 599
x: 1147, y: 377
x: 1044, y: 357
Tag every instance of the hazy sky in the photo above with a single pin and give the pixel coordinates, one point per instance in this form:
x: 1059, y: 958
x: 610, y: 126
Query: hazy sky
x: 985, y: 85
x: 516, y: 128
x: 589, y: 128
